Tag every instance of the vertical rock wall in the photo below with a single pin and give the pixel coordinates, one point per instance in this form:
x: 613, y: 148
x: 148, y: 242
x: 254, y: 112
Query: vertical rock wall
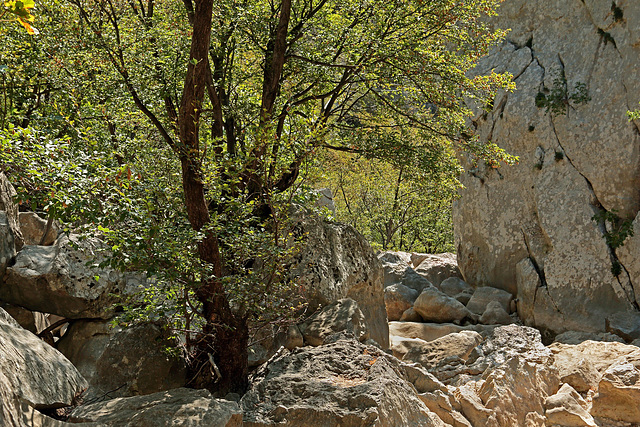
x: 529, y: 228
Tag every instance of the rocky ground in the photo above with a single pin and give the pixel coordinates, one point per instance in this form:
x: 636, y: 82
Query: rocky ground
x: 397, y: 340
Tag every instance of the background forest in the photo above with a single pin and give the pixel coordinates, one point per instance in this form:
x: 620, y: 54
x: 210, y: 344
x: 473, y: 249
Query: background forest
x: 183, y: 133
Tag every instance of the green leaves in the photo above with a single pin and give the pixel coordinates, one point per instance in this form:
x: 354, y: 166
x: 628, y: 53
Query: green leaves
x: 20, y: 10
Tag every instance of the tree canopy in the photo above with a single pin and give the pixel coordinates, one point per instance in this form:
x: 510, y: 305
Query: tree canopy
x: 185, y: 128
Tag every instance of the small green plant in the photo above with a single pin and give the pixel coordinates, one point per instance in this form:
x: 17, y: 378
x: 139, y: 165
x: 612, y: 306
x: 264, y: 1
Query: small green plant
x: 617, y: 12
x: 616, y: 229
x: 557, y: 100
x: 532, y: 128
x: 616, y: 268
x: 608, y: 38
x: 559, y: 156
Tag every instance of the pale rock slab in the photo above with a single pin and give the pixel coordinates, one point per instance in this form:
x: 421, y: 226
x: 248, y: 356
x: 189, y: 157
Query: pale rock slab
x: 432, y: 331
x: 456, y: 346
x: 568, y: 408
x: 619, y: 391
x: 182, y: 406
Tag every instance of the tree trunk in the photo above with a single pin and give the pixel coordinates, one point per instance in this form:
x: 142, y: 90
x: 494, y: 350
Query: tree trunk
x: 225, y: 334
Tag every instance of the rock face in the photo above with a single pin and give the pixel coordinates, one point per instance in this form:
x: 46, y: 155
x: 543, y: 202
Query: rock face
x: 344, y: 383
x: 341, y: 316
x: 33, y: 228
x: 337, y: 262
x: 619, y: 391
x: 55, y: 279
x: 185, y: 407
x: 33, y: 375
x: 529, y: 229
x: 121, y: 362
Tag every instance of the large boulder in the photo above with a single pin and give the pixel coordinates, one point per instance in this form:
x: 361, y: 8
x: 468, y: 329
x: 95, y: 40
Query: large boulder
x: 337, y: 262
x: 123, y: 362
x: 398, y: 298
x: 342, y: 316
x: 618, y: 395
x: 56, y: 279
x: 182, y: 406
x: 343, y: 383
x: 456, y: 346
x: 33, y: 375
x: 436, y: 267
x: 435, y: 306
x: 574, y: 165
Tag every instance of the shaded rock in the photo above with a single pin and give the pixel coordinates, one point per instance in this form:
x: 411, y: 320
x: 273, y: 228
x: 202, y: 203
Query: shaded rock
x: 484, y: 295
x: 433, y: 305
x: 463, y: 297
x: 395, y: 265
x: 618, y: 394
x: 397, y: 299
x: 342, y: 315
x: 8, y: 205
x: 325, y: 200
x: 180, y: 406
x: 567, y: 408
x: 439, y: 351
x: 269, y: 339
x: 344, y: 383
x: 401, y: 345
x: 56, y: 279
x: 123, y: 362
x: 32, y: 321
x: 7, y: 243
x: 436, y: 268
x: 410, y: 315
x: 33, y: 372
x: 495, y: 314
x: 432, y: 331
x: 33, y: 228
x: 337, y: 262
x: 624, y: 324
x: 413, y: 280
x: 453, y: 286
x: 575, y: 337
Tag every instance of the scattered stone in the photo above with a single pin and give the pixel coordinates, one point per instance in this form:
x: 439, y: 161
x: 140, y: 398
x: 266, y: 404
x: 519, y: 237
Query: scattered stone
x: 337, y: 262
x: 344, y: 383
x: 436, y: 268
x: 342, y: 315
x: 397, y: 299
x: 495, y: 314
x: 568, y: 408
x: 410, y: 315
x: 484, y: 295
x: 625, y: 324
x: 434, y: 306
x: 182, y: 406
x: 454, y: 286
x: 463, y: 297
x: 432, y: 331
x: 123, y: 362
x: 33, y: 228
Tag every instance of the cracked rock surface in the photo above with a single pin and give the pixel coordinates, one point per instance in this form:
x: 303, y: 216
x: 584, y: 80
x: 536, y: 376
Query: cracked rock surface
x: 529, y: 229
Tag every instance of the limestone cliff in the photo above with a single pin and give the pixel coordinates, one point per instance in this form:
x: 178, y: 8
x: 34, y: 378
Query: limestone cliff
x: 529, y: 228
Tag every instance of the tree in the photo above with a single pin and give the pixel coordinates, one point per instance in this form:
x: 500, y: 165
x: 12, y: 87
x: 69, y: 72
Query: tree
x: 264, y: 87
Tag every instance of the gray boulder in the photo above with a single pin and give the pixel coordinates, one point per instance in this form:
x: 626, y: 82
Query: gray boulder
x: 625, y: 324
x: 268, y: 339
x: 33, y: 375
x: 342, y: 315
x: 436, y: 268
x: 410, y: 315
x: 495, y: 314
x: 434, y: 306
x: 484, y: 295
x: 178, y: 407
x: 344, y: 383
x: 56, y: 279
x: 453, y: 286
x: 337, y: 262
x: 397, y: 299
x: 123, y: 362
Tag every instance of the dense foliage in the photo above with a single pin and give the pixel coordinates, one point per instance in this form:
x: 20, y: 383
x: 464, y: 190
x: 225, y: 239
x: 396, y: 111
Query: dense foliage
x: 180, y: 131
